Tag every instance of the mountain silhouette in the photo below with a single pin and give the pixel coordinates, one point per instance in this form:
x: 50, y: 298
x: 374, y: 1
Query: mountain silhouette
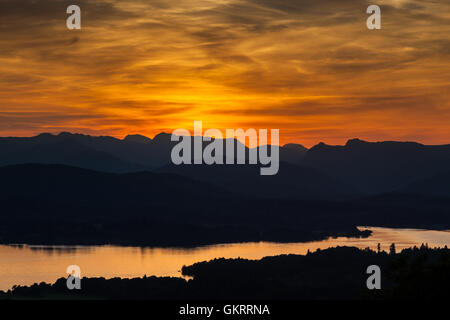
x: 56, y: 204
x: 292, y: 181
x: 134, y: 152
x: 376, y: 167
x: 60, y: 183
x: 438, y: 185
x: 322, y: 172
x: 137, y: 138
x: 293, y: 153
x: 63, y: 149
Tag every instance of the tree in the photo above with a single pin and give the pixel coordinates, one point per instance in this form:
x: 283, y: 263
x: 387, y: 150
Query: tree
x: 392, y: 249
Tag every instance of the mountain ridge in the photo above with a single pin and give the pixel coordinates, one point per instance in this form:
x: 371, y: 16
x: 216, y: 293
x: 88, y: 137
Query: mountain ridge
x: 368, y: 167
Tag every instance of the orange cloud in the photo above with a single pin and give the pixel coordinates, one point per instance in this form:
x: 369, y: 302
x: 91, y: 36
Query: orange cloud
x: 310, y: 68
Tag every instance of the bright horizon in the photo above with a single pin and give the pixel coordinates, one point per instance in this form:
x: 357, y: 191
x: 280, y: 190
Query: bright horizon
x: 311, y: 69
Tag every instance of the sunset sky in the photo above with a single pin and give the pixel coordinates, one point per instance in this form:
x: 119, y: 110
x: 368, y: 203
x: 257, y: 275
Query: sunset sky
x: 310, y: 68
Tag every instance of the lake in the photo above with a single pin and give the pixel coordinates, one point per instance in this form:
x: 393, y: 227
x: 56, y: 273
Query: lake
x: 25, y: 265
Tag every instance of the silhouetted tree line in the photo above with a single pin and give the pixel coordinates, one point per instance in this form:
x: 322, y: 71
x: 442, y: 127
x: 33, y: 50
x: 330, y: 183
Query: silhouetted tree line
x: 335, y: 273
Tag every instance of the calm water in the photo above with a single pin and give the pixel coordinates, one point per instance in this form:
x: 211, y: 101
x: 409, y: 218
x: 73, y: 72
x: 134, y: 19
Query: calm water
x: 25, y: 265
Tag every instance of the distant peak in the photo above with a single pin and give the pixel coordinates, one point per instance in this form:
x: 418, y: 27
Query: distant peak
x: 45, y: 134
x: 66, y: 134
x: 161, y: 137
x: 137, y: 138
x: 45, y: 137
x: 319, y: 146
x: 356, y: 141
x: 295, y: 146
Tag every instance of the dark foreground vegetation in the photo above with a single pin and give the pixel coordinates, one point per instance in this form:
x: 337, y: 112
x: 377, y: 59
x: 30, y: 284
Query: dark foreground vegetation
x: 335, y: 273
